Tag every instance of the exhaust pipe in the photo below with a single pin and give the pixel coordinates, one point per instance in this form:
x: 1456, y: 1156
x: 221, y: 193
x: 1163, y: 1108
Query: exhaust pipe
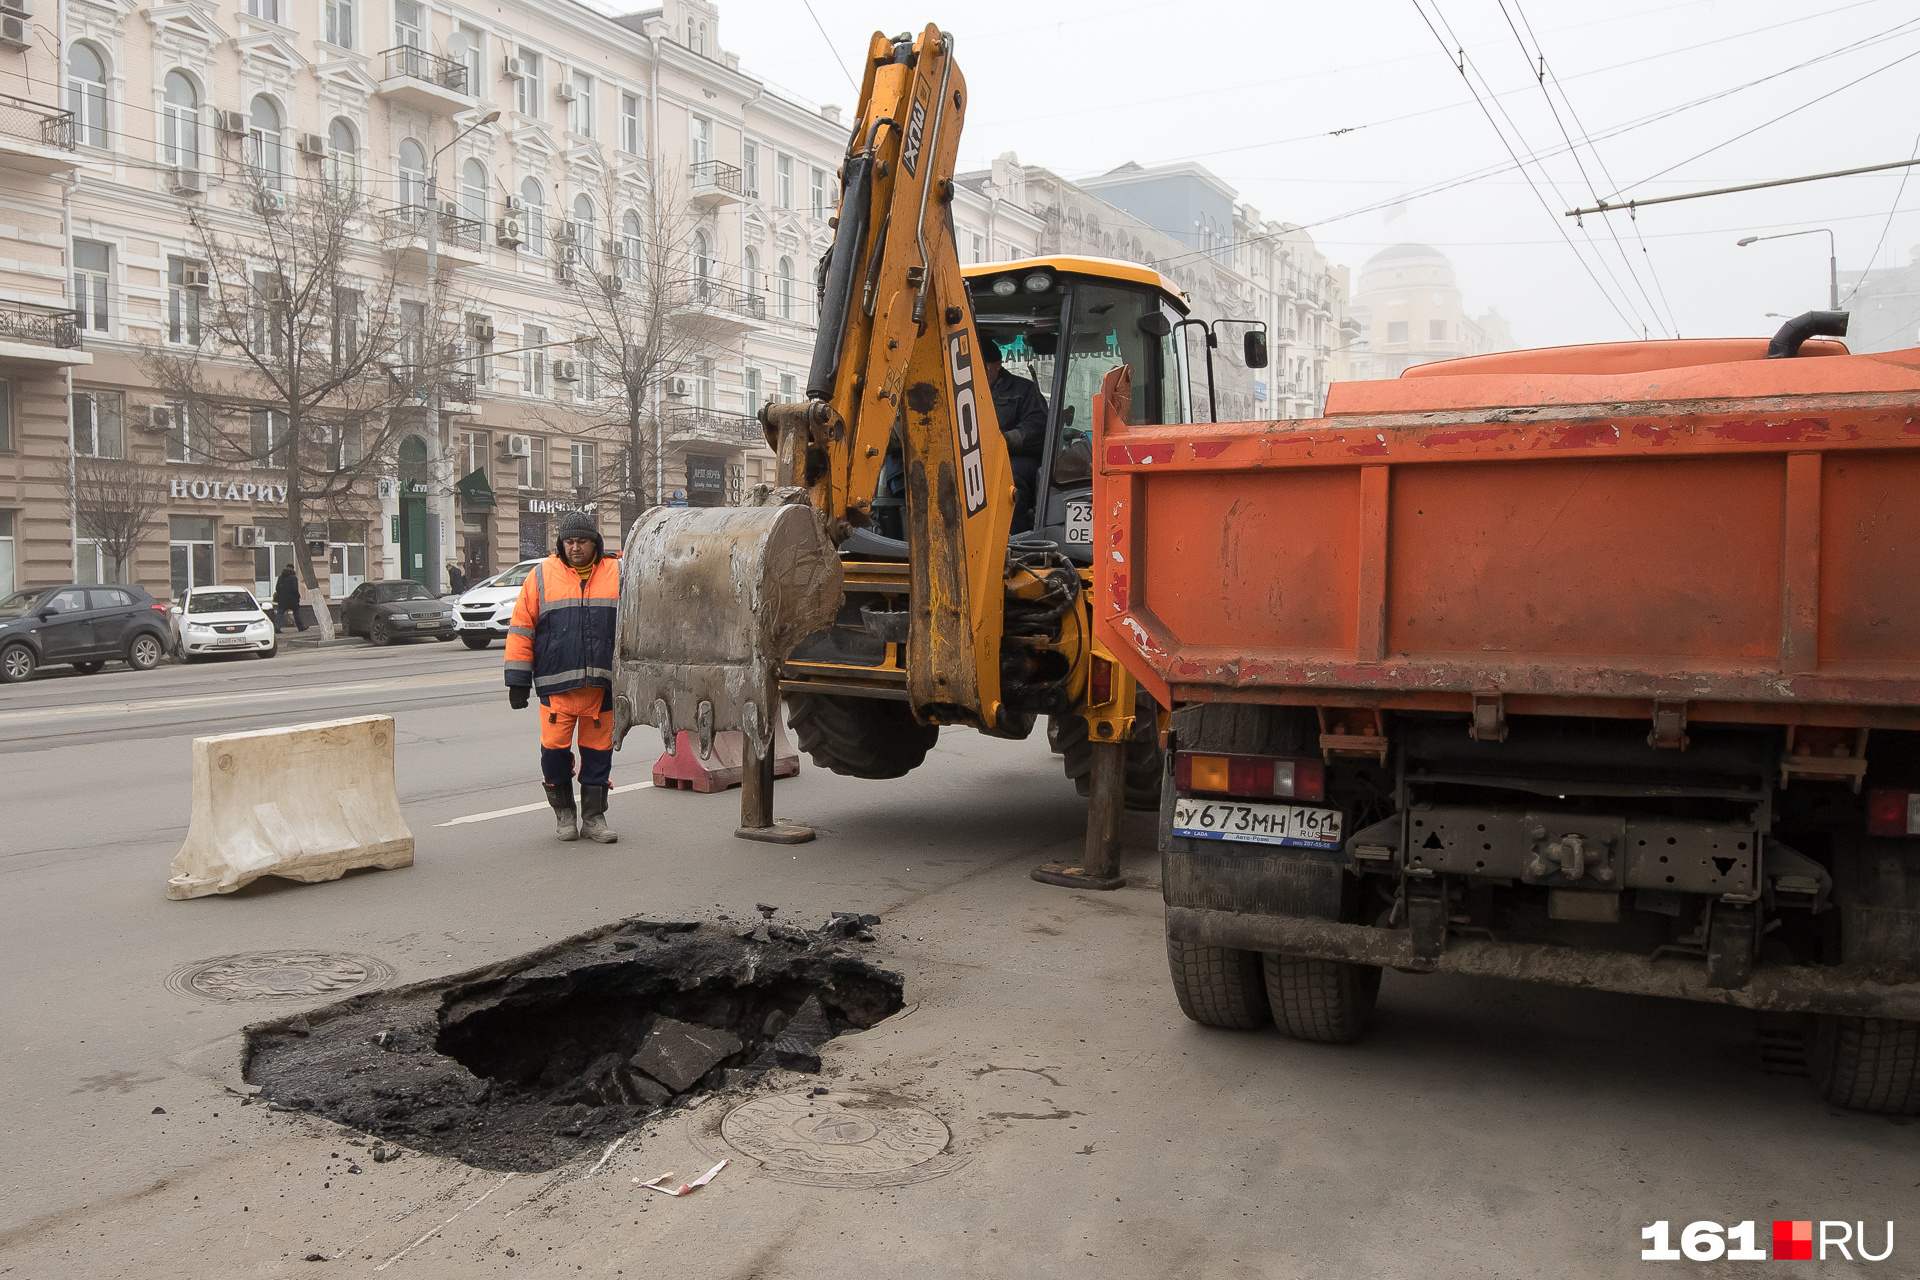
x: 1808, y: 324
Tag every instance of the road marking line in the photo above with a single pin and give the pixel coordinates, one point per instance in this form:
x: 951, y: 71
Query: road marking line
x: 436, y: 1231
x: 284, y: 693
x: 529, y: 808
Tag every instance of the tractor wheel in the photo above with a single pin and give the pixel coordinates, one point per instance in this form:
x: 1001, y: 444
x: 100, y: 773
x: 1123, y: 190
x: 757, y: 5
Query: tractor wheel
x: 860, y: 737
x: 1067, y: 735
x: 1218, y: 986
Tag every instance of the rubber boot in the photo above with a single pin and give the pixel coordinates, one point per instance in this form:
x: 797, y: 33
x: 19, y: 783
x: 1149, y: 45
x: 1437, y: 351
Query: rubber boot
x: 560, y: 796
x: 593, y: 815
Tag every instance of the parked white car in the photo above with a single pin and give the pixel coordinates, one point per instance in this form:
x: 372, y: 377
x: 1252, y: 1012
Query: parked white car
x: 214, y: 620
x: 486, y: 608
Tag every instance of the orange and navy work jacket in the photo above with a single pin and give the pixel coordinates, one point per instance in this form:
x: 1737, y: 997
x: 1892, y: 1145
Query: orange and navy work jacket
x: 562, y: 632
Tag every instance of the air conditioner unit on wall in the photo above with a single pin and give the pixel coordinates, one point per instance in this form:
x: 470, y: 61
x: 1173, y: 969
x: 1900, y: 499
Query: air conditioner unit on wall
x: 480, y: 331
x: 186, y: 182
x: 231, y: 122
x: 160, y: 417
x: 616, y: 284
x: 20, y: 8
x: 311, y: 144
x: 677, y: 388
x: 249, y: 535
x: 508, y: 233
x: 196, y: 277
x: 516, y: 446
x: 271, y: 202
x: 565, y: 91
x: 566, y: 371
x: 512, y: 68
x: 16, y: 32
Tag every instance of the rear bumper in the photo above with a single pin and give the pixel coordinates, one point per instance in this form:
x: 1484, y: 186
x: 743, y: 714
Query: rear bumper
x: 1839, y: 989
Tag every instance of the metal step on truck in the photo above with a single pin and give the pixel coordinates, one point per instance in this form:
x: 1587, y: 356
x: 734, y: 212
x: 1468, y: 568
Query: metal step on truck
x: 1595, y: 666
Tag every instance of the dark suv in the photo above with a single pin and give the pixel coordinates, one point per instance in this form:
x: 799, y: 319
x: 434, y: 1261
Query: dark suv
x: 87, y: 626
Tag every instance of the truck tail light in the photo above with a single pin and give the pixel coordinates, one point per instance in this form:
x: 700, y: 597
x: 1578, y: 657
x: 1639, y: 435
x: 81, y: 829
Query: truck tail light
x: 1251, y: 777
x: 1893, y: 813
x: 1099, y: 682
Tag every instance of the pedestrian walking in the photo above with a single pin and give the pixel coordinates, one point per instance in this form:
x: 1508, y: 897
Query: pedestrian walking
x: 560, y: 647
x: 456, y: 579
x: 286, y: 598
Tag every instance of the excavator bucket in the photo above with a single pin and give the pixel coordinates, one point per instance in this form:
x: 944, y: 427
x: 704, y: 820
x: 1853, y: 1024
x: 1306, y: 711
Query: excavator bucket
x: 712, y: 600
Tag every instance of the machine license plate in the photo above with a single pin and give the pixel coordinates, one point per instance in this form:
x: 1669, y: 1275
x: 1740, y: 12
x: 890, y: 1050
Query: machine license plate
x: 1257, y: 823
x: 232, y: 644
x: 1080, y: 521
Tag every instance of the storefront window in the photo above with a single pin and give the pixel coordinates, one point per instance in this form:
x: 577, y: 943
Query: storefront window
x: 346, y: 556
x: 274, y: 553
x: 92, y: 563
x: 533, y: 535
x: 475, y: 546
x: 190, y: 551
x: 7, y: 575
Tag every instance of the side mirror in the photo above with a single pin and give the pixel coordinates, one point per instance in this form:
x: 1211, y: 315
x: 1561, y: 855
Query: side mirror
x: 1256, y: 349
x: 1156, y: 324
x: 48, y: 613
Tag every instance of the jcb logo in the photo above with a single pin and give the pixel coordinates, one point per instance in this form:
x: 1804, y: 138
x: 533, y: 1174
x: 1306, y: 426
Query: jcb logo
x: 916, y: 128
x: 966, y: 418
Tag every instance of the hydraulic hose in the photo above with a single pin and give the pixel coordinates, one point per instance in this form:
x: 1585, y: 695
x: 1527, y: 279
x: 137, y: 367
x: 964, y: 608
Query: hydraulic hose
x: 1808, y: 324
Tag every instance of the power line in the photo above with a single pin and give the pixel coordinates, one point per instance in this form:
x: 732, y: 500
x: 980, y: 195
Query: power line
x: 1888, y: 226
x: 1631, y: 205
x: 831, y: 47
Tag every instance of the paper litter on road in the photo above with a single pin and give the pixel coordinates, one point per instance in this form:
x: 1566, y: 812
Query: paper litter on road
x: 686, y: 1188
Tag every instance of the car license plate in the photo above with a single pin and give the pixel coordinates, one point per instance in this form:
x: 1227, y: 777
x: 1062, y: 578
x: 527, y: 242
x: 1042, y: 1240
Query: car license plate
x: 1080, y: 521
x: 231, y: 644
x: 1257, y: 823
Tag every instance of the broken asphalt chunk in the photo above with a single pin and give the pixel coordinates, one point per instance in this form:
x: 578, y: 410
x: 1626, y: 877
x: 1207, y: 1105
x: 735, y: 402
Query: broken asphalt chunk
x: 678, y: 1053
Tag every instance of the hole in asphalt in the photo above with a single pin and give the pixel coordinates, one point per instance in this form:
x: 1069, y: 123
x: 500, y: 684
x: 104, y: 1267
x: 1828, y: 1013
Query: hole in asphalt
x: 530, y: 1062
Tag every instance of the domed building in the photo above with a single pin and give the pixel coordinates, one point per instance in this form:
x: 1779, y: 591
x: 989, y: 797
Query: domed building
x: 1410, y: 311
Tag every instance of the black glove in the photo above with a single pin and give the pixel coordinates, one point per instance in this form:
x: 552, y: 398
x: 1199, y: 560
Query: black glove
x: 517, y: 696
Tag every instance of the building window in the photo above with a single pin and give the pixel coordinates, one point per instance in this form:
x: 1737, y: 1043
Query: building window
x: 480, y: 350
x: 180, y: 123
x: 583, y: 234
x: 269, y: 314
x: 526, y: 91
x: 269, y: 438
x: 750, y: 274
x: 340, y: 23
x: 979, y: 248
x: 346, y: 326
x: 701, y: 138
x: 87, y: 94
x: 750, y: 383
x: 473, y: 192
x: 1436, y: 331
x: 411, y: 179
x: 8, y: 578
x: 703, y: 382
x: 533, y: 363
x: 783, y: 181
x: 346, y: 556
x: 90, y: 268
x: 183, y: 304
x: 467, y: 47
x: 630, y: 246
x: 630, y: 138
x: 702, y: 267
x: 6, y: 422
x: 190, y: 552
x: 533, y: 467
x: 473, y: 450
x: 407, y: 24
x: 585, y: 474
x: 818, y: 195
x: 786, y: 288
x: 697, y: 37
x: 263, y: 141
x: 1396, y: 331
x: 533, y: 216
x: 787, y: 389
x: 92, y: 564
x: 580, y: 110
x: 269, y: 10
x: 588, y: 388
x: 97, y: 425
x: 343, y: 157
x: 180, y: 436
x: 750, y: 170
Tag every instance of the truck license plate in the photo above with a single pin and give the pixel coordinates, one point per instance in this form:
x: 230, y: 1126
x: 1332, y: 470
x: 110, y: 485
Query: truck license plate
x: 1256, y: 823
x: 1080, y: 521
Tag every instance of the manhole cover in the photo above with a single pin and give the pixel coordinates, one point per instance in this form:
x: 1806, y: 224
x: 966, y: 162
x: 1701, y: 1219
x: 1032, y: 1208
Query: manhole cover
x: 278, y: 975
x: 841, y: 1139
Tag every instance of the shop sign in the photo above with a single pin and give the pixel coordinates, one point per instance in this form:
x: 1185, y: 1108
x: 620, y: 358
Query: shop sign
x: 227, y: 491
x: 554, y: 506
x: 706, y: 481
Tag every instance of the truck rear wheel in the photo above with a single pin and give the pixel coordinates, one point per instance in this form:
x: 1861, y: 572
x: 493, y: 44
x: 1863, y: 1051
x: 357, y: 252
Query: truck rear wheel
x: 860, y: 737
x: 1328, y: 1001
x: 1218, y: 986
x: 1867, y: 1064
x: 1068, y: 736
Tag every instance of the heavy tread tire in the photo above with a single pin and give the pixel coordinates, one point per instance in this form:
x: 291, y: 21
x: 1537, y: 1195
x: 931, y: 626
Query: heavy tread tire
x: 860, y: 737
x: 1068, y: 736
x: 1867, y: 1064
x: 17, y: 664
x: 144, y: 652
x: 476, y: 642
x: 1328, y: 1001
x: 1218, y: 986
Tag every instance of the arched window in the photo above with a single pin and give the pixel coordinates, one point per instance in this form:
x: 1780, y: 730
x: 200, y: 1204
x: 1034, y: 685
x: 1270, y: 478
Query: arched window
x: 473, y: 193
x: 87, y: 94
x: 630, y: 246
x: 786, y: 288
x: 750, y: 276
x: 411, y: 180
x: 702, y: 267
x: 343, y: 156
x: 180, y: 123
x: 263, y: 141
x: 533, y: 215
x: 583, y: 236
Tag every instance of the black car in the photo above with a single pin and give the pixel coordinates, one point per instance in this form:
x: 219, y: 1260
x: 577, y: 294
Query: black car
x: 88, y: 626
x: 387, y: 611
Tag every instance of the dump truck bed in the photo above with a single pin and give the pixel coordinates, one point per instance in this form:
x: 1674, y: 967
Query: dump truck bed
x: 1580, y: 532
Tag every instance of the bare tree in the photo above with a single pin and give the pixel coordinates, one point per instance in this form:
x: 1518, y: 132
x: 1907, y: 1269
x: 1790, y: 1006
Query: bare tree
x: 116, y: 503
x: 311, y: 361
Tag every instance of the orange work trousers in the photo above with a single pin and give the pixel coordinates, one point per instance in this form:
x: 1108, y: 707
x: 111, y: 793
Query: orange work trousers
x: 562, y: 716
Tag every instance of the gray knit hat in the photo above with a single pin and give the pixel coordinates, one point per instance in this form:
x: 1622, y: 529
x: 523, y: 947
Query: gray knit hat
x: 578, y: 524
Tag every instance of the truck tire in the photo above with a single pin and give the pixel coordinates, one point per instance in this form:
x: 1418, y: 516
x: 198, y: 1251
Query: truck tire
x: 860, y: 737
x: 1218, y: 986
x: 1867, y: 1064
x: 1068, y: 736
x: 1328, y: 1001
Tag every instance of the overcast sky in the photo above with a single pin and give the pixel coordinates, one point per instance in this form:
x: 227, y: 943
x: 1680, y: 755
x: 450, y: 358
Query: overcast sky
x: 1254, y: 91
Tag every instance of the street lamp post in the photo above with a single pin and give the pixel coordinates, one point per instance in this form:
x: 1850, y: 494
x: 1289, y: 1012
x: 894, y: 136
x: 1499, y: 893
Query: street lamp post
x: 1833, y: 259
x: 433, y: 300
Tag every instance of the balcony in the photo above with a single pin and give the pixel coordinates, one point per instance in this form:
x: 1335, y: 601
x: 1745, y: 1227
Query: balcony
x: 35, y: 139
x: 715, y: 183
x: 462, y: 241
x: 42, y: 336
x: 725, y: 306
x: 459, y: 393
x: 689, y: 423
x: 425, y: 81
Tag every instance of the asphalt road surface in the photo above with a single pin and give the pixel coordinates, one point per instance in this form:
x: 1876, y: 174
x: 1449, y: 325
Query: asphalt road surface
x: 1481, y: 1129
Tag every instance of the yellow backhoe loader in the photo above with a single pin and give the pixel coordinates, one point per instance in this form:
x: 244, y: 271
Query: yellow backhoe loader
x: 876, y: 586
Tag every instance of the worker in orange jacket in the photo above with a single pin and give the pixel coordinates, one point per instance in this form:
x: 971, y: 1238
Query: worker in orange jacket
x: 560, y: 647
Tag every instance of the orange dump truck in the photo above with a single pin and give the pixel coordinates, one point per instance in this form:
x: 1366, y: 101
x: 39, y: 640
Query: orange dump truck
x: 1595, y: 666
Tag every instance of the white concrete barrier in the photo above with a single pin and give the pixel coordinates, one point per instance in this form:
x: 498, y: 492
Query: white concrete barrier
x: 308, y: 802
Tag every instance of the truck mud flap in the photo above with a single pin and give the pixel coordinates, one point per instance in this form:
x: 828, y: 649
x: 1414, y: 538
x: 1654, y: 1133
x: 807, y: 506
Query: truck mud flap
x: 1839, y: 989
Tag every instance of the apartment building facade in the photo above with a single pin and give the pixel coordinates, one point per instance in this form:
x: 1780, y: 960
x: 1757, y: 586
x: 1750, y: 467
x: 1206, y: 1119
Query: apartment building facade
x: 1408, y: 309
x: 532, y: 147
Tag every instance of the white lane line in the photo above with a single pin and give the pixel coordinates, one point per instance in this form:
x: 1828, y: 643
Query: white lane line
x: 529, y: 808
x: 436, y: 1231
x: 285, y: 693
